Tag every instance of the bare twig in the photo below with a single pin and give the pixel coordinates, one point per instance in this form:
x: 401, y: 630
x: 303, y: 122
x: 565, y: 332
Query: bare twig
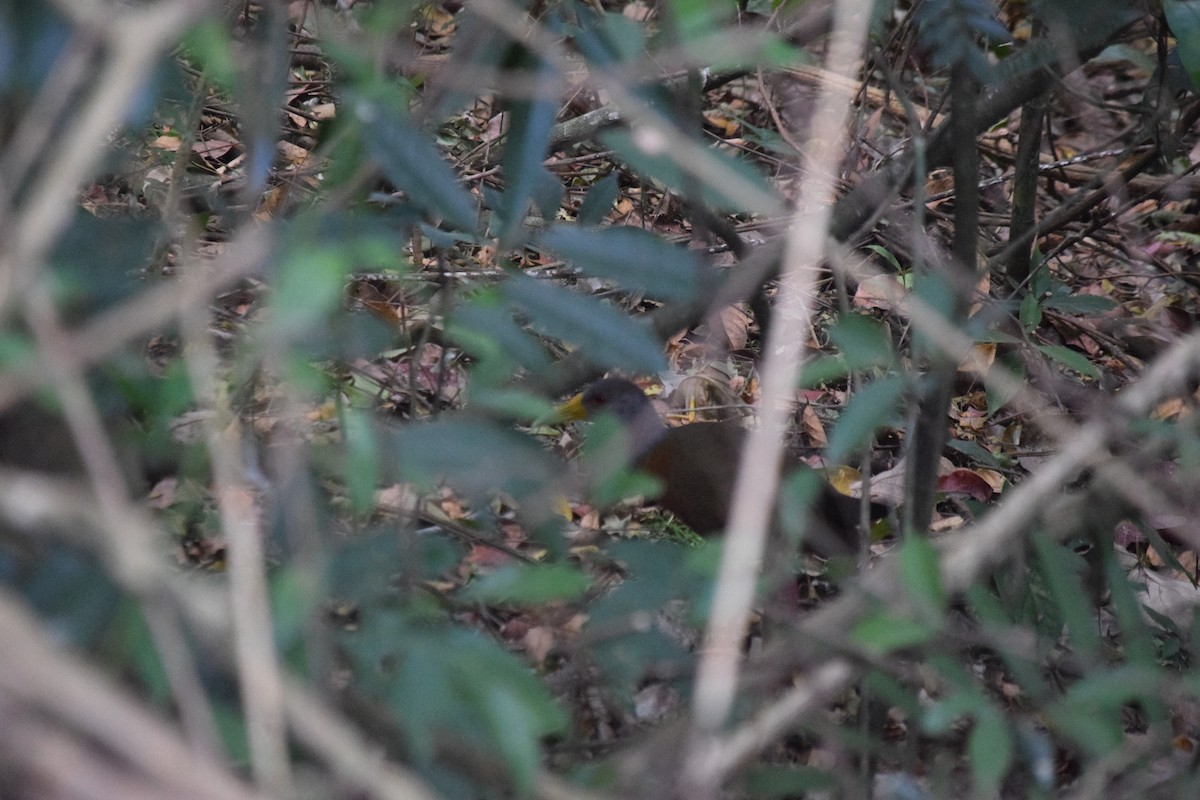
x: 33, y: 671
x: 758, y: 475
x: 258, y: 666
x: 134, y: 38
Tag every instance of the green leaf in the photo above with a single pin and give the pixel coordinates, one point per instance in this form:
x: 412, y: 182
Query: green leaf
x: 725, y: 183
x: 863, y: 340
x: 882, y: 632
x: 362, y: 457
x: 599, y: 200
x: 516, y: 710
x: 530, y: 121
x: 1030, y: 314
x: 309, y: 288
x: 1080, y: 303
x: 821, y: 370
x: 921, y: 577
x: 989, y: 751
x: 1060, y: 568
x: 529, y: 584
x: 510, y: 403
x: 606, y: 457
x: 98, y: 261
x: 1070, y: 359
x: 873, y: 407
x: 450, y: 682
x: 1091, y: 712
x: 209, y: 47
x: 485, y: 328
x: 695, y: 19
x: 609, y: 39
x: 769, y: 780
x: 1183, y: 17
x: 975, y: 451
x: 634, y: 258
x: 474, y: 455
x: 411, y: 161
x: 886, y: 255
x: 607, y: 337
x: 294, y: 604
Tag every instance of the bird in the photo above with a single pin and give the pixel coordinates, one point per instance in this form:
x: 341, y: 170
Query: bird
x: 697, y: 466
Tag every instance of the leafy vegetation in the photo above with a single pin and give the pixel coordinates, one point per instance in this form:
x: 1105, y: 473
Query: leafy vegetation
x: 291, y: 290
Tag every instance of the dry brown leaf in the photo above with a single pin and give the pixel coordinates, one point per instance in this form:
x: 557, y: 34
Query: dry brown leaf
x: 877, y: 292
x: 736, y: 324
x: 814, y: 429
x: 539, y: 641
x: 982, y: 356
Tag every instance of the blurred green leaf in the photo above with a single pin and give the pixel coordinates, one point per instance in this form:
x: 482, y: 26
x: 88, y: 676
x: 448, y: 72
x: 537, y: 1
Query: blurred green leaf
x: 16, y: 351
x: 135, y: 645
x: 1070, y: 359
x: 989, y: 751
x: 1080, y: 303
x: 1183, y: 16
x: 528, y: 584
x: 606, y: 459
x: 475, y: 456
x: 1062, y: 570
x: 770, y: 780
x: 33, y: 35
x: 609, y: 39
x: 797, y: 493
x: 633, y: 258
x: 98, y: 262
x: 231, y: 726
x: 73, y: 594
x: 530, y: 121
x: 295, y: 599
x: 511, y: 403
x: 696, y: 19
x: 606, y: 336
x: 410, y: 160
x: 1136, y: 636
x: 1090, y: 714
x: 360, y: 569
x: 941, y: 716
x: 362, y: 457
x: 308, y: 289
x: 874, y: 406
x: 863, y: 341
x: 921, y: 576
x: 820, y: 369
x: 882, y: 632
x: 599, y: 200
x: 941, y: 297
x: 485, y: 328
x: 724, y: 182
x: 448, y: 681
x: 209, y: 48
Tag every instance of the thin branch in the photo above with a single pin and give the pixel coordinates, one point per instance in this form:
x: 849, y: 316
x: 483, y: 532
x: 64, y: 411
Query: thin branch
x: 758, y: 475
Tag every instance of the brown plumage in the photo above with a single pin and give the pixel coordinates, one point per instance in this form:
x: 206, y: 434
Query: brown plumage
x: 697, y: 465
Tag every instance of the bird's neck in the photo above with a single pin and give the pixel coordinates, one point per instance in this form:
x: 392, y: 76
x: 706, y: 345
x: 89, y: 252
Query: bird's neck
x: 645, y: 430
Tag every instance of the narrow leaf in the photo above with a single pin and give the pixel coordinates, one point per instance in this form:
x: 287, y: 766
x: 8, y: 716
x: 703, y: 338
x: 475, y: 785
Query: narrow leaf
x: 606, y: 336
x: 632, y: 257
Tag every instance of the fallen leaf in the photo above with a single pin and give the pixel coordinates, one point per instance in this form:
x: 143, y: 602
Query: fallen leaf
x: 965, y: 481
x: 879, y: 291
x: 813, y: 427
